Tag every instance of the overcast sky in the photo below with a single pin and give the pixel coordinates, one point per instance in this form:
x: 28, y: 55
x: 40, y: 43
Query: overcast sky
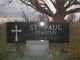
x: 16, y: 8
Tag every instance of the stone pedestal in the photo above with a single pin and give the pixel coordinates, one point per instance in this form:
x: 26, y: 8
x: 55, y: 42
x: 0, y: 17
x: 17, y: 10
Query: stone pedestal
x: 37, y: 50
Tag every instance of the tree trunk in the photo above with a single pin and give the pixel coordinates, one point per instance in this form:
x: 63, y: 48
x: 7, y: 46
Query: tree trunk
x: 59, y: 17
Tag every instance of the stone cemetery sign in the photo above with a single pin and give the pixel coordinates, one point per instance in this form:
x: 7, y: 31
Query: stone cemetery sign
x: 22, y: 31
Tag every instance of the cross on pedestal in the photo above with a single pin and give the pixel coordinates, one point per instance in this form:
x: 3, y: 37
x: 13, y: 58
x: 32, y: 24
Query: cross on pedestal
x: 16, y: 31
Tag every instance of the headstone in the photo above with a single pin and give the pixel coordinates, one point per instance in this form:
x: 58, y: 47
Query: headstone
x: 37, y: 50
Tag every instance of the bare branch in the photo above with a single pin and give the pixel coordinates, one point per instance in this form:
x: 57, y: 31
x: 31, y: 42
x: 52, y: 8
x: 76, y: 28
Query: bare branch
x: 47, y: 6
x: 54, y: 4
x: 40, y: 8
x: 72, y: 2
x: 73, y: 10
x: 27, y: 4
x: 24, y: 16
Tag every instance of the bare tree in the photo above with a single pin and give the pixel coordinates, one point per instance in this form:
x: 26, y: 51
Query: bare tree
x: 61, y: 6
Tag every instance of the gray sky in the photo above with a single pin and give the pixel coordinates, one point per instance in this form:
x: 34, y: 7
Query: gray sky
x: 15, y: 10
x: 10, y: 10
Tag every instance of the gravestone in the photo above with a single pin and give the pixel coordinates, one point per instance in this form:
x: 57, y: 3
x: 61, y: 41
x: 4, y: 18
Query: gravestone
x: 37, y: 50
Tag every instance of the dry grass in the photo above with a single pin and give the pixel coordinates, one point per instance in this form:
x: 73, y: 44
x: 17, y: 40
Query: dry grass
x: 73, y: 47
